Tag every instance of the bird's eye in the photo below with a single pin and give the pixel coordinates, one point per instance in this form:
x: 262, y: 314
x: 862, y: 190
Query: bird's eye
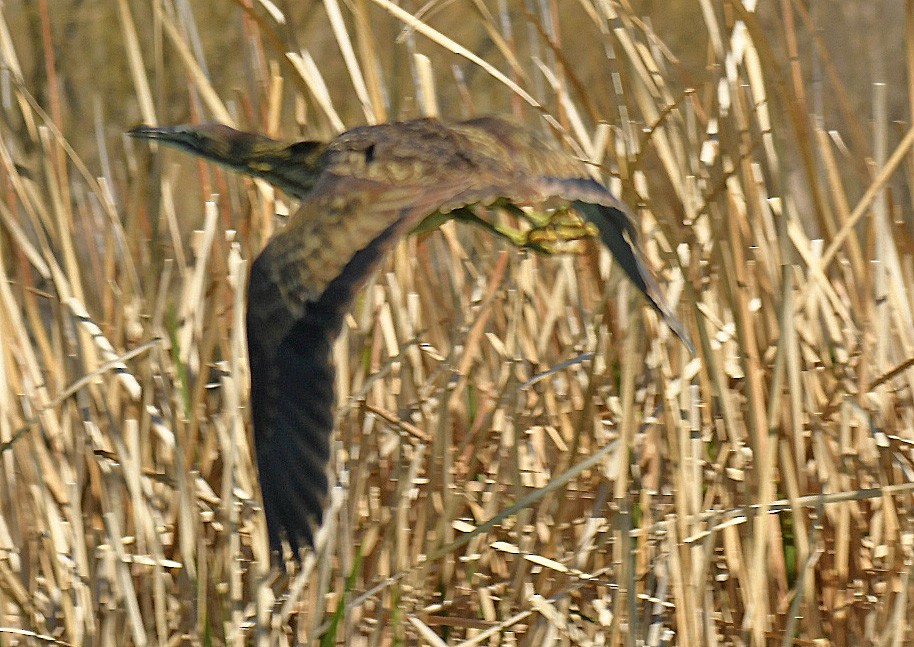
x: 188, y: 136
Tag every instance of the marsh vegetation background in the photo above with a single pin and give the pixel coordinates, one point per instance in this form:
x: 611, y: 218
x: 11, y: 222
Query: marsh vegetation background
x: 526, y: 456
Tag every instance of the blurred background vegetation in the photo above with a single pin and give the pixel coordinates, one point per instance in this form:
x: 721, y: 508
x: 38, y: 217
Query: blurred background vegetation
x: 758, y: 493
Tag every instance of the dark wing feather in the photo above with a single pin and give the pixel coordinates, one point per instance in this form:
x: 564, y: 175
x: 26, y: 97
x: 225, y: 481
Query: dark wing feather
x: 292, y: 390
x: 300, y: 288
x: 597, y: 205
x: 533, y: 171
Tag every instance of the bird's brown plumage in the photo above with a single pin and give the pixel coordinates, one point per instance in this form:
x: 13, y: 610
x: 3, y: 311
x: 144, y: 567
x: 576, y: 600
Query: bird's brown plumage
x: 359, y: 195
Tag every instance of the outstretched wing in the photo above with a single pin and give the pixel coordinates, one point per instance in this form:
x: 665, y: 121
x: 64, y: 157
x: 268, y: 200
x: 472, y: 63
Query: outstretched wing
x: 300, y: 288
x: 527, y: 170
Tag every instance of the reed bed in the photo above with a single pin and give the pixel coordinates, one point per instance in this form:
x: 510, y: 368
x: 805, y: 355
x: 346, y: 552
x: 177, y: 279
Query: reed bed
x: 525, y: 455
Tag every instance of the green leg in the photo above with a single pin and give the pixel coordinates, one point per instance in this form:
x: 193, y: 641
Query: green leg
x: 549, y: 233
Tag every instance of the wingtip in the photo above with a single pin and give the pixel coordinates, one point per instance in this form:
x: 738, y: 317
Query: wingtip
x: 618, y: 235
x: 678, y: 328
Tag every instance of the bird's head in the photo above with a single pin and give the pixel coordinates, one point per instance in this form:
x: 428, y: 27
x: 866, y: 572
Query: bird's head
x: 217, y: 142
x: 292, y: 167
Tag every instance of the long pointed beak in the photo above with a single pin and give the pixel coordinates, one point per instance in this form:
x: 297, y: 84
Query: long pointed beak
x: 167, y: 133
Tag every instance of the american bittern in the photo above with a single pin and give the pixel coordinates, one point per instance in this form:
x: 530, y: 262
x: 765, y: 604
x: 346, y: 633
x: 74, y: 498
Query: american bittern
x: 360, y: 193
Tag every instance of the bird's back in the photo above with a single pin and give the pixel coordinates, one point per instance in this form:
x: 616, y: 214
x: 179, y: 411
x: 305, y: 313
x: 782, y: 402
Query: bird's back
x: 430, y: 152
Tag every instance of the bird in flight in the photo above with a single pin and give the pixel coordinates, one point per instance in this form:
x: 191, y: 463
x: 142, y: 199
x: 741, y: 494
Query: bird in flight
x: 360, y: 194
